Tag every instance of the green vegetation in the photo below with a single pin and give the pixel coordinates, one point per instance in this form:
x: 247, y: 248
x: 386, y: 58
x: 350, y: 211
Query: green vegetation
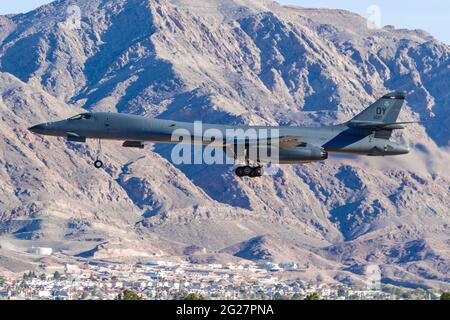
x: 29, y: 275
x: 194, y: 296
x: 261, y: 295
x: 128, y: 295
x: 445, y: 296
x: 297, y: 296
x: 2, y: 281
x: 314, y: 296
x: 278, y: 286
x: 98, y: 293
x: 410, y: 294
x: 342, y: 292
x: 279, y: 296
x: 189, y: 296
x: 406, y: 295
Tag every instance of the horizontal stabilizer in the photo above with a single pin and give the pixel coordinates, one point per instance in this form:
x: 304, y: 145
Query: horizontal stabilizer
x: 379, y: 125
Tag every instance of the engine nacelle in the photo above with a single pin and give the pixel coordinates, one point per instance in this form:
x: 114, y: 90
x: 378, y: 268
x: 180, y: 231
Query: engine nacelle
x: 272, y: 154
x: 302, y: 154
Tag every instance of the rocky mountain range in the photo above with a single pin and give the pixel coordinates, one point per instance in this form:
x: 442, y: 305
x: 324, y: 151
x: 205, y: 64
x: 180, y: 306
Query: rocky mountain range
x: 230, y: 62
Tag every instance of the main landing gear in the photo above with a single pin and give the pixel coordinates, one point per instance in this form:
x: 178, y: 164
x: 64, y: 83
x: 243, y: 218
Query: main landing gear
x: 252, y: 172
x: 98, y: 163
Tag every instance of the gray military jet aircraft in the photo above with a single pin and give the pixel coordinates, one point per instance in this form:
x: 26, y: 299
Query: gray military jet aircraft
x: 367, y: 134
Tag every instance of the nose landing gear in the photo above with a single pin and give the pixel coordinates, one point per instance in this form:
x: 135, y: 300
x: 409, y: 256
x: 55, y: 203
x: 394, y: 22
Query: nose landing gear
x: 98, y: 163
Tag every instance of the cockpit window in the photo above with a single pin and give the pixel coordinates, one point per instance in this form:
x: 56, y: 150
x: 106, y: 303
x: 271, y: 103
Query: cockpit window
x: 83, y: 116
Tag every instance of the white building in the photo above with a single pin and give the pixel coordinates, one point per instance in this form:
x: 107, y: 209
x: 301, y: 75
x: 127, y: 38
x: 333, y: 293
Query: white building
x: 44, y: 294
x: 72, y: 269
x: 41, y: 251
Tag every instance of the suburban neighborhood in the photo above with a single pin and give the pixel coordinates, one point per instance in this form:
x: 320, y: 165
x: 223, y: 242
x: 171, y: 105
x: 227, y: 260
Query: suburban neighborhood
x: 158, y: 280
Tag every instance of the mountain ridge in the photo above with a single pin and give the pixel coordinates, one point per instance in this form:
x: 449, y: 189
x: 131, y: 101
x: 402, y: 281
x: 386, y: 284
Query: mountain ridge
x: 244, y: 62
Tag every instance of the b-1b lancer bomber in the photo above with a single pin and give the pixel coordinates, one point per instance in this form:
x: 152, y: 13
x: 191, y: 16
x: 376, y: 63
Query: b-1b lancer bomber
x: 367, y: 134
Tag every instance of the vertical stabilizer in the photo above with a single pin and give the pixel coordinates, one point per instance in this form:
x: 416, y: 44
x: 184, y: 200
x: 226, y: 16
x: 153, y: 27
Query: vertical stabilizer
x: 384, y: 110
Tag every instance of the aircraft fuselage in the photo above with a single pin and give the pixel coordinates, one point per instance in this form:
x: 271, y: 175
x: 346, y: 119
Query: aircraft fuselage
x: 124, y: 127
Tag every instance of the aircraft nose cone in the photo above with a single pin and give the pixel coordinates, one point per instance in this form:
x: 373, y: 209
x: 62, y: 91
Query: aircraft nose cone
x: 37, y: 128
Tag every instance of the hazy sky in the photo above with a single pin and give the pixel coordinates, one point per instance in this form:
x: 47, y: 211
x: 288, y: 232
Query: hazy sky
x: 19, y: 6
x: 430, y: 15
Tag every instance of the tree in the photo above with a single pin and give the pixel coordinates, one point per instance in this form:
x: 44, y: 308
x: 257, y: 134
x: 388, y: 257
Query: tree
x: 43, y: 277
x: 279, y: 296
x: 319, y: 278
x: 98, y: 293
x: 406, y: 295
x: 193, y: 296
x: 128, y: 295
x: 397, y: 291
x: 261, y: 295
x: 2, y: 281
x: 420, y: 293
x: 314, y: 296
x: 445, y: 296
x: 341, y: 292
x: 297, y: 296
x: 57, y: 275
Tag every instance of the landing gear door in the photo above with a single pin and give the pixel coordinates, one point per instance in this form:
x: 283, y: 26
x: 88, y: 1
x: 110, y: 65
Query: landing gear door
x: 108, y: 125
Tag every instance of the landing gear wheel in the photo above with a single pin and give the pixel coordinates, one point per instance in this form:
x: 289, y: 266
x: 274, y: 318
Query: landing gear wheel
x: 98, y: 164
x: 257, y: 172
x: 247, y: 170
x: 240, y: 172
